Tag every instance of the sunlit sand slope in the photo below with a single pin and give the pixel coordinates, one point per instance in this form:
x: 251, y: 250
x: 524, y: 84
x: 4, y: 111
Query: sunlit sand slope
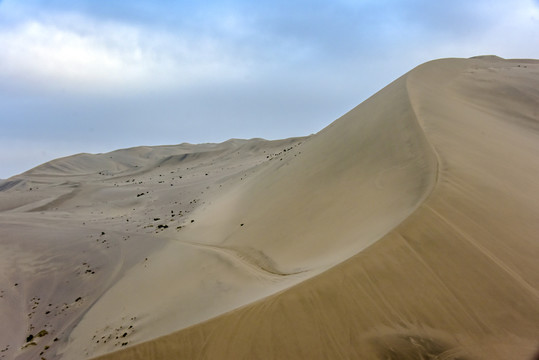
x: 458, y: 279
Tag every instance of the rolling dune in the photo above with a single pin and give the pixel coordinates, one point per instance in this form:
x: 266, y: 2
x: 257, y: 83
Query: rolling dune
x: 406, y: 229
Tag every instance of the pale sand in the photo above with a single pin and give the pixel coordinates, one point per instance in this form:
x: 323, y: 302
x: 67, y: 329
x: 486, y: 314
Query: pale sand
x: 407, y: 228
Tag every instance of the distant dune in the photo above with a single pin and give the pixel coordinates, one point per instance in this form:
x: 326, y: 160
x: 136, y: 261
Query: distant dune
x: 406, y: 229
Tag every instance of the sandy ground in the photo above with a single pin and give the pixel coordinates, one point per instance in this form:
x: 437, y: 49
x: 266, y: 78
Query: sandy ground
x: 407, y: 229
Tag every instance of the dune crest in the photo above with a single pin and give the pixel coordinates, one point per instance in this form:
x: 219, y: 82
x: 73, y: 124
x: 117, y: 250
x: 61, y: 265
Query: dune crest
x: 406, y: 229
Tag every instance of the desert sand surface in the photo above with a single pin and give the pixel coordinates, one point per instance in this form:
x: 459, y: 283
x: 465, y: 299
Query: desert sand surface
x: 406, y: 229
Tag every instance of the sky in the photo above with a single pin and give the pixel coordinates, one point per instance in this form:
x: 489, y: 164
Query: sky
x: 98, y: 75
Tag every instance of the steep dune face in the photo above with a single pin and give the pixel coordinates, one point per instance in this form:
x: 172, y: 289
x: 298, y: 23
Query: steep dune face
x: 458, y: 279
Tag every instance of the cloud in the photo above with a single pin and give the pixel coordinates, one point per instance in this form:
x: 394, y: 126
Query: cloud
x: 84, y: 54
x: 94, y: 46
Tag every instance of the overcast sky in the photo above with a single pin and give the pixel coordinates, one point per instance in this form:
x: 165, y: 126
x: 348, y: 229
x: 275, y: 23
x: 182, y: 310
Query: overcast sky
x: 98, y: 75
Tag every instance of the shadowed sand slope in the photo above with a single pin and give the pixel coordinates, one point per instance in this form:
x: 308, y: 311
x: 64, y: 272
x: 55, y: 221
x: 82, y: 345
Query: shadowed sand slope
x: 457, y: 279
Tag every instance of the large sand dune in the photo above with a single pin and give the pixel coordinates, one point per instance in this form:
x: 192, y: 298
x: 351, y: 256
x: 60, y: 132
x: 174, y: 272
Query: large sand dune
x: 407, y: 229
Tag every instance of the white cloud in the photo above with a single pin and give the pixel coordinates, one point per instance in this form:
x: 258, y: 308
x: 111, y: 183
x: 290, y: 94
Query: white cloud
x: 79, y: 53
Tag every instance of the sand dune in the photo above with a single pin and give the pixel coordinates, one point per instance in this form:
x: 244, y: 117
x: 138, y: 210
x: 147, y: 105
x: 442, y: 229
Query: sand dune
x: 407, y: 229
